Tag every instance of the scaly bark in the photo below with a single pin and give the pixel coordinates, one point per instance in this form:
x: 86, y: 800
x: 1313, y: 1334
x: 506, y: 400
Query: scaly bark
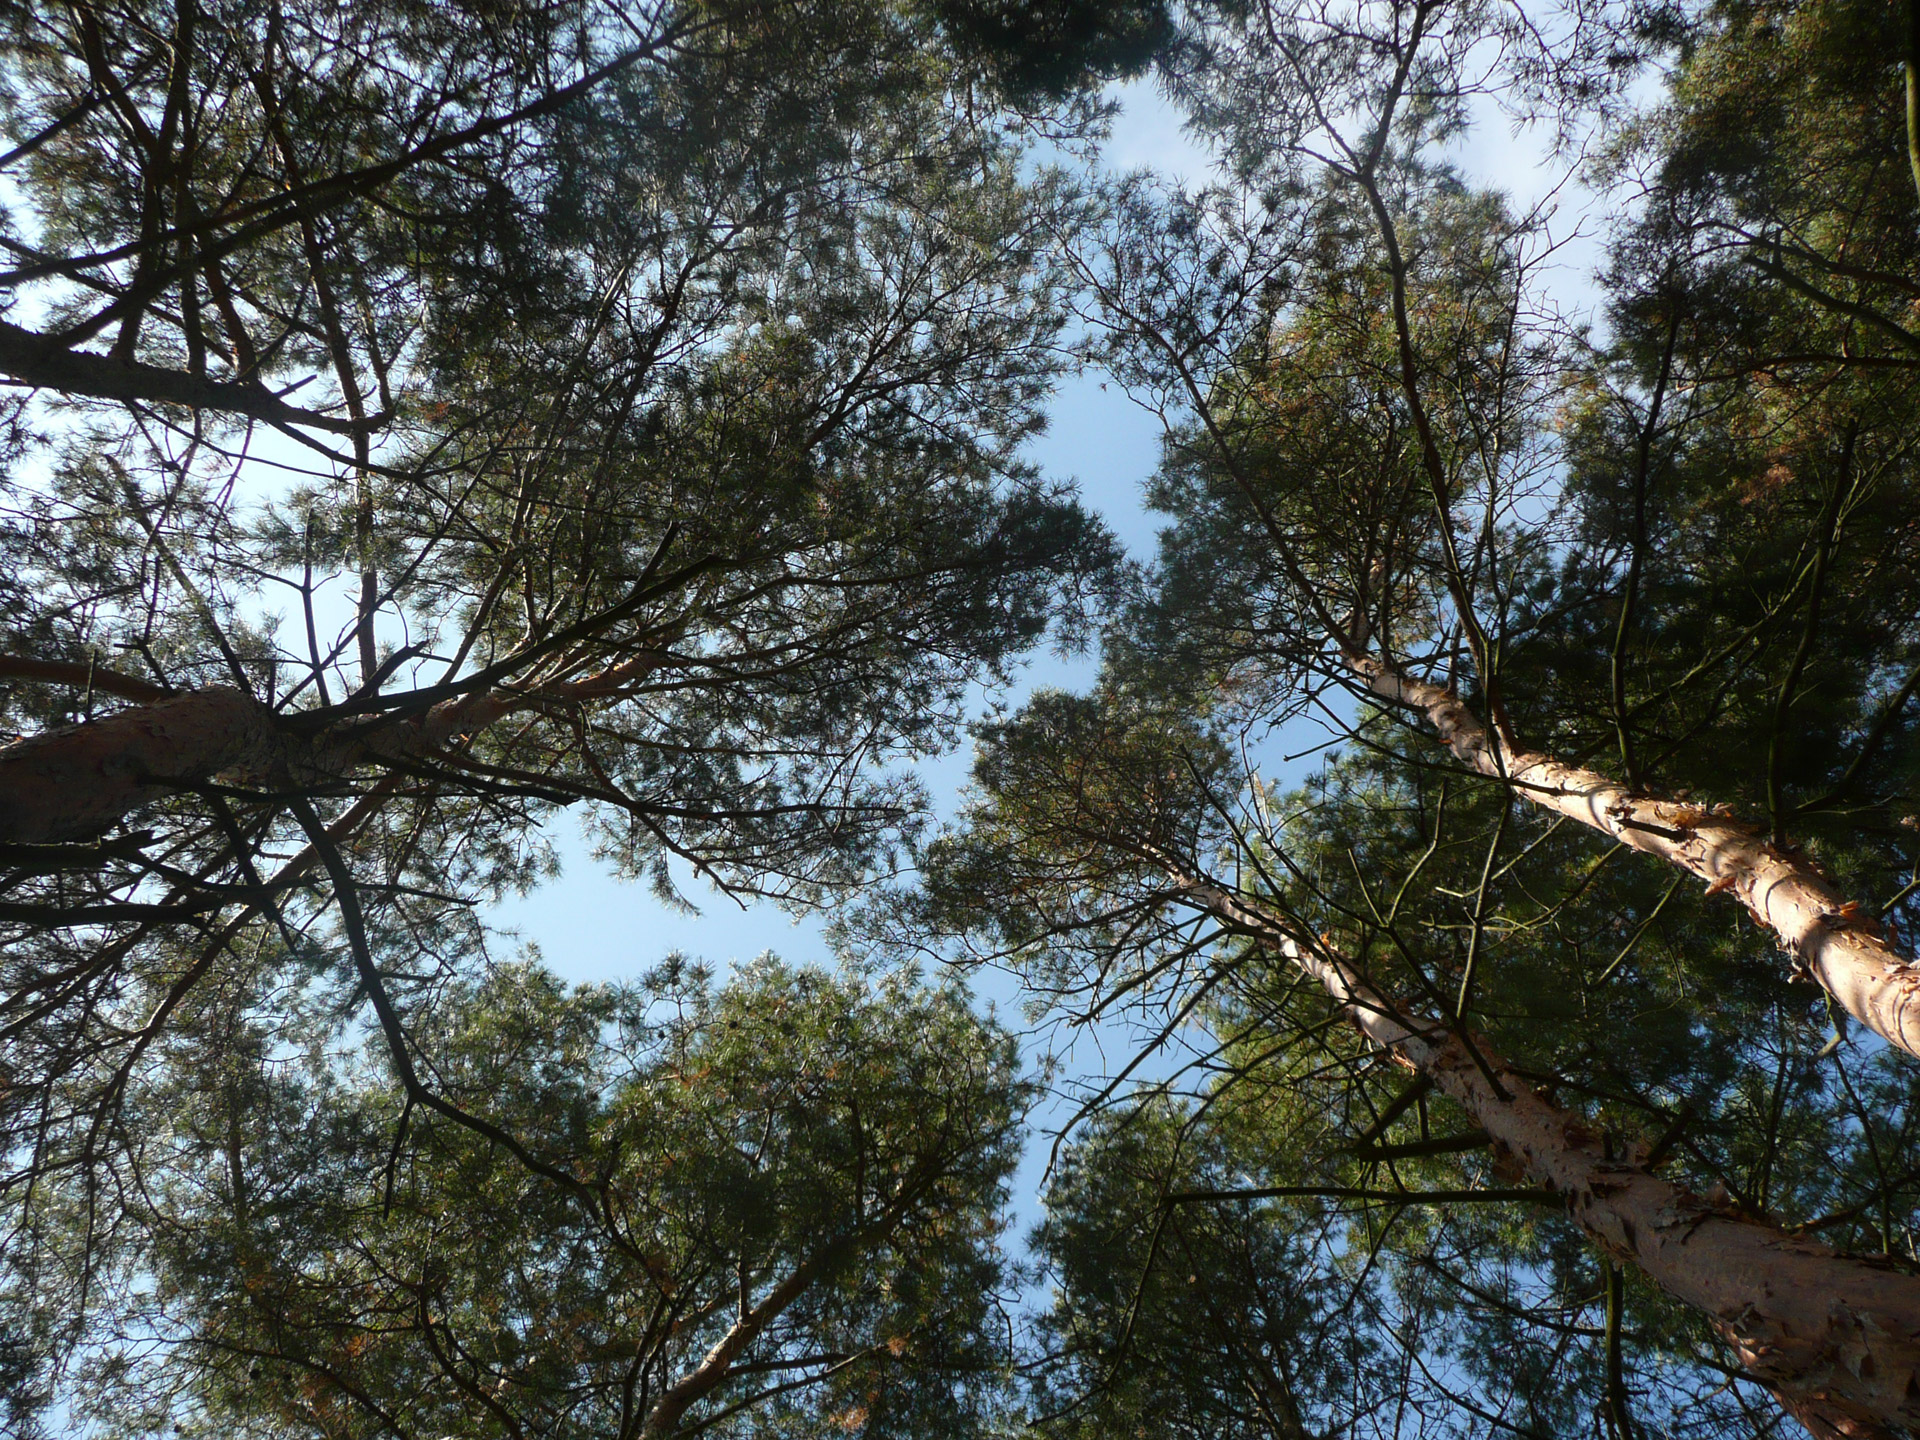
x: 1834, y: 1337
x: 74, y: 782
x: 1839, y: 944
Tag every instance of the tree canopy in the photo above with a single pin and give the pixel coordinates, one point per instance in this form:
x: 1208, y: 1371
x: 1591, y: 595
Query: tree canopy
x: 655, y: 451
x: 787, y: 1220
x: 427, y: 418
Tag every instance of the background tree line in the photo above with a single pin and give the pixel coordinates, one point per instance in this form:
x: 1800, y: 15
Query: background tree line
x: 429, y: 417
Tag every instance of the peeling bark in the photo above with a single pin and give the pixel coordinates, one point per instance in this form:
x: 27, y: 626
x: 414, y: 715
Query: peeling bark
x: 1835, y: 1337
x: 1832, y: 940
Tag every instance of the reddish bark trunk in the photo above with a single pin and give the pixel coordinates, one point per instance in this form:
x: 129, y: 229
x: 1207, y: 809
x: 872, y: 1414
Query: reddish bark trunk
x: 76, y: 781
x: 1837, y: 1338
x: 717, y: 1365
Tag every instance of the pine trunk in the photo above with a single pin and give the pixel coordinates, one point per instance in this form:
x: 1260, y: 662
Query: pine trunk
x: 1837, y: 943
x: 1834, y: 1337
x: 77, y: 781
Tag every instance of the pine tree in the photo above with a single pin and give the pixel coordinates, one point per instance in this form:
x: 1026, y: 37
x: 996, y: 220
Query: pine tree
x: 1340, y: 944
x: 431, y: 417
x: 1403, y: 566
x: 783, y: 1218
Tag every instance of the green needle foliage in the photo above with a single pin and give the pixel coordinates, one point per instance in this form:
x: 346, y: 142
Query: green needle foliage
x: 431, y: 417
x: 798, y: 1174
x: 1305, y: 1164
x: 1183, y: 1317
